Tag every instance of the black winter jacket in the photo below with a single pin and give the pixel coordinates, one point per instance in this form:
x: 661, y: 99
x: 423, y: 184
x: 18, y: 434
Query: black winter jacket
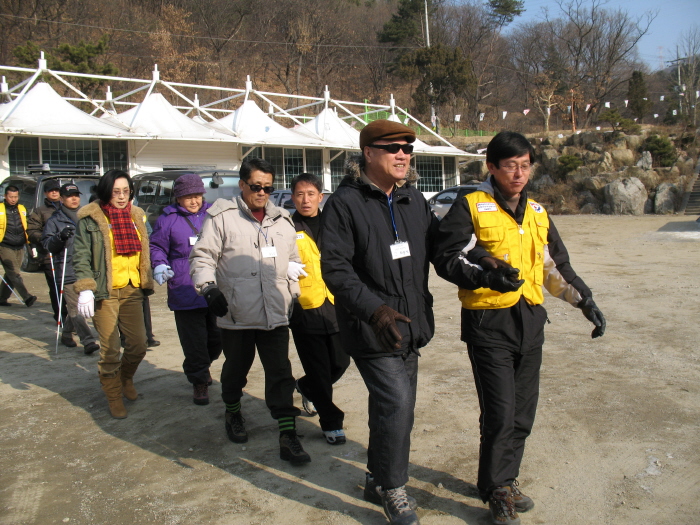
x: 51, y: 242
x: 358, y: 268
x: 36, y: 222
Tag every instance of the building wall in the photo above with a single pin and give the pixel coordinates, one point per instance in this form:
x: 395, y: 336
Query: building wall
x: 155, y: 155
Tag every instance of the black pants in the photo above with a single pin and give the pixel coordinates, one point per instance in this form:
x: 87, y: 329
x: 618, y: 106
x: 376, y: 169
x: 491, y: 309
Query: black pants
x: 273, y: 349
x: 324, y: 362
x: 391, y: 382
x: 507, y: 382
x: 200, y: 339
x: 48, y: 275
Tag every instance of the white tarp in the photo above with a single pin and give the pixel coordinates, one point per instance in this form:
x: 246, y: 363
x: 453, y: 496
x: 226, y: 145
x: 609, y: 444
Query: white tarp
x: 42, y: 111
x: 333, y: 129
x: 156, y: 118
x: 252, y: 126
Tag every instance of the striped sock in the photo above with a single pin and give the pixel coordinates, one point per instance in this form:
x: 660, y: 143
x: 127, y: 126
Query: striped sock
x: 286, y: 424
x: 233, y: 407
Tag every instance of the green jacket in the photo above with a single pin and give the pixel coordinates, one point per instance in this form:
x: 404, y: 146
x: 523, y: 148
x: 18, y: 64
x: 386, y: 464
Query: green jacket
x: 93, y: 270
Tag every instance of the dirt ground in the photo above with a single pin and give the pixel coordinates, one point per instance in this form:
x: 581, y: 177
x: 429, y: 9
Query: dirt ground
x: 615, y: 441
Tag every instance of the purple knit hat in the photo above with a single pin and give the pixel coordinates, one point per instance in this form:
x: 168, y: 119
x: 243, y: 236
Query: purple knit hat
x: 188, y: 184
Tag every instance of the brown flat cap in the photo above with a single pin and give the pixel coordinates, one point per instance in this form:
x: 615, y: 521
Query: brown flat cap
x: 385, y: 130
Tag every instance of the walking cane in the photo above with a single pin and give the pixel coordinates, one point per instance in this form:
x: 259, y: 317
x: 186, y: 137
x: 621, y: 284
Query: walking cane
x: 53, y: 273
x: 11, y: 289
x: 60, y: 297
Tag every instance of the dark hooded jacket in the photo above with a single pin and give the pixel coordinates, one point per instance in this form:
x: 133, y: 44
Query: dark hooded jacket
x: 51, y: 242
x: 357, y: 264
x: 36, y: 222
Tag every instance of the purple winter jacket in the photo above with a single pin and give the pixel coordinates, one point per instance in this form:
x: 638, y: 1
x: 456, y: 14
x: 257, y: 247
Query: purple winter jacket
x: 170, y: 244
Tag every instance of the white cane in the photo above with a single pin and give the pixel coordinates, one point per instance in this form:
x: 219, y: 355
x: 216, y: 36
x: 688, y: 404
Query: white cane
x: 11, y: 289
x: 53, y: 274
x: 60, y: 297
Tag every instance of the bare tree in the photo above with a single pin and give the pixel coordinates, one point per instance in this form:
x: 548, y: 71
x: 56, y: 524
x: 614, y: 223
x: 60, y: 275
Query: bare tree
x: 689, y: 72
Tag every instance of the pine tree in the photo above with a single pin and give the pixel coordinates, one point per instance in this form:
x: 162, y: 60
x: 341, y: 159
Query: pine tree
x: 638, y: 96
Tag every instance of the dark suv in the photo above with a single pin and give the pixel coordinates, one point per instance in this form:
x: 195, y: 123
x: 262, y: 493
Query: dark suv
x: 154, y: 191
x: 441, y: 202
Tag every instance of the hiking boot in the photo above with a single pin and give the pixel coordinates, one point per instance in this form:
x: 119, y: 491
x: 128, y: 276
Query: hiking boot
x: 334, y: 437
x: 522, y: 502
x: 112, y: 387
x: 234, y: 427
x: 373, y: 493
x: 309, y: 407
x: 67, y: 340
x: 397, y: 507
x: 90, y: 348
x: 291, y: 449
x: 201, y: 394
x: 502, y: 507
x: 151, y: 343
x: 30, y: 301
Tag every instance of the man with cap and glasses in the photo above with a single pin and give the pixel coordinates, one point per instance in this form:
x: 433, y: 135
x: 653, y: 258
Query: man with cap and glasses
x: 58, y: 240
x: 375, y: 251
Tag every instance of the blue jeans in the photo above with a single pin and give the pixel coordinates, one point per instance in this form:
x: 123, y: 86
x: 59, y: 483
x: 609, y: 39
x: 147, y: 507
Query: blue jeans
x: 391, y: 382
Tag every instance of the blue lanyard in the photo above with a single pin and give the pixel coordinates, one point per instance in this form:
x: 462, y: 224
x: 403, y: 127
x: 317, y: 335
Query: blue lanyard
x: 257, y: 224
x: 390, y: 200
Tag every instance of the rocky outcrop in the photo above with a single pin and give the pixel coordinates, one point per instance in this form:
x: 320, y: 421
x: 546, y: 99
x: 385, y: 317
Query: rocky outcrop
x: 622, y: 157
x: 625, y: 197
x: 667, y: 198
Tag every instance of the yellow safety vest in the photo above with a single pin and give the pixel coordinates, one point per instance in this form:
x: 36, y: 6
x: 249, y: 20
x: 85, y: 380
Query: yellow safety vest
x: 3, y: 219
x: 313, y: 289
x: 520, y: 246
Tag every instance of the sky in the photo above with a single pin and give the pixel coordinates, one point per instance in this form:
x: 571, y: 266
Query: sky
x: 674, y: 18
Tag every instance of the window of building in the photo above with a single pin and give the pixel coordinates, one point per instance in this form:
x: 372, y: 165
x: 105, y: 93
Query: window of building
x: 314, y: 162
x: 293, y: 164
x: 450, y: 171
x: 23, y: 152
x: 430, y: 170
x: 337, y: 167
x: 115, y: 155
x: 70, y: 151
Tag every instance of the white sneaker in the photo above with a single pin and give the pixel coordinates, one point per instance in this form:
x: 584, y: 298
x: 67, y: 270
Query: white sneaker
x: 309, y: 407
x: 335, y: 437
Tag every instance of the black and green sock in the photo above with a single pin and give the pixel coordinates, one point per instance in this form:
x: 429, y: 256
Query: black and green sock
x: 233, y: 407
x: 287, y: 424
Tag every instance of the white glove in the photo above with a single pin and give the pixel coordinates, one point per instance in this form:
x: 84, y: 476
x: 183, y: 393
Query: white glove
x: 86, y: 304
x: 295, y: 270
x: 162, y: 273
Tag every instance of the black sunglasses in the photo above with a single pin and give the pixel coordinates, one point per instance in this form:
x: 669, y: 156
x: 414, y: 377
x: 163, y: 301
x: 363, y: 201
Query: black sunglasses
x: 394, y: 148
x: 255, y: 188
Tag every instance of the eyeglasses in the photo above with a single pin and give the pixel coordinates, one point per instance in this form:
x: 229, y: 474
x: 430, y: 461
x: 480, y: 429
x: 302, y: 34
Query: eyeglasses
x: 394, y: 148
x: 255, y: 188
x: 117, y: 193
x: 512, y: 168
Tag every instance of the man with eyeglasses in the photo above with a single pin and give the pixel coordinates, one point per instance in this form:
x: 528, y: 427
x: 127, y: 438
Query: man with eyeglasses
x: 375, y: 244
x: 501, y: 248
x: 246, y: 265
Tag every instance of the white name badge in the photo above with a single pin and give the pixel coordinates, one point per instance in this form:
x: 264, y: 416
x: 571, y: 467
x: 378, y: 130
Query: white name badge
x: 268, y: 251
x: 300, y: 236
x: 400, y: 250
x: 486, y: 206
x: 193, y: 240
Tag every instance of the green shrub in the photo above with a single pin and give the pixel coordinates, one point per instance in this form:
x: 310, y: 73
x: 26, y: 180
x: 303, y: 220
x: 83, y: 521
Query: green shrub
x: 630, y: 127
x: 662, y: 150
x: 568, y: 163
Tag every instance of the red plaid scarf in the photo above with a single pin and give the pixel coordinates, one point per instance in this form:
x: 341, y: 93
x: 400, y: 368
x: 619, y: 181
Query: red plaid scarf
x: 126, y: 240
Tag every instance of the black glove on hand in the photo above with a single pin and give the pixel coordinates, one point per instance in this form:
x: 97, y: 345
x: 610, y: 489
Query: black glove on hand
x: 216, y: 301
x: 499, y: 275
x: 67, y: 233
x: 594, y: 315
x: 383, y: 323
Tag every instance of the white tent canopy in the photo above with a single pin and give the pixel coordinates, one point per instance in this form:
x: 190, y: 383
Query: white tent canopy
x: 333, y: 129
x: 42, y: 111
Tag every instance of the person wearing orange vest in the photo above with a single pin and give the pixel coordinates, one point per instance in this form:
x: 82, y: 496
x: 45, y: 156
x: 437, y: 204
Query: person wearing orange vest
x: 314, y: 324
x: 13, y: 239
x: 501, y: 248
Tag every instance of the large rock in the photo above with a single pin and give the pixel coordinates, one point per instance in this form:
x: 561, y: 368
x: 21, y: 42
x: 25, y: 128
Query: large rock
x: 596, y: 185
x: 645, y: 162
x: 595, y: 147
x: 606, y: 163
x: 550, y: 157
x: 571, y: 150
x: 667, y: 198
x: 649, y: 178
x: 622, y: 157
x: 634, y: 142
x: 625, y: 196
x: 541, y: 182
x: 590, y: 157
x: 477, y: 169
x: 578, y: 176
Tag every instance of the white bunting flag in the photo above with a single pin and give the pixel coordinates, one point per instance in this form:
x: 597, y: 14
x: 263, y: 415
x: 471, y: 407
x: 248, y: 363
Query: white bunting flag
x: 661, y: 98
x: 549, y: 111
x: 568, y: 109
x: 626, y: 101
x: 588, y: 106
x: 656, y: 115
x: 635, y: 119
x: 458, y: 118
x: 504, y: 115
x: 607, y: 104
x: 675, y: 112
x: 697, y: 94
x: 526, y: 111
x: 481, y: 116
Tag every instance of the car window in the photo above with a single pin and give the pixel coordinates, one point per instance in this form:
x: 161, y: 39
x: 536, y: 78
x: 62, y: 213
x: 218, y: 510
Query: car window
x: 146, y: 193
x: 165, y: 192
x: 227, y: 190
x: 446, y: 197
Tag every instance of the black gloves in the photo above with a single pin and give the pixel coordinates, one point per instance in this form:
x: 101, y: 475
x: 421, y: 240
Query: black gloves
x: 383, y: 323
x: 594, y: 315
x: 66, y: 233
x: 216, y: 301
x: 499, y: 275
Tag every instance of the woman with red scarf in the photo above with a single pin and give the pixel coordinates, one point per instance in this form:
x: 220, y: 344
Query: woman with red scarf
x: 113, y: 269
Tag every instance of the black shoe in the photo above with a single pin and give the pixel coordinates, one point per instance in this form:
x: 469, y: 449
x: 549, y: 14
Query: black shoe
x: 67, y: 340
x: 30, y: 301
x: 201, y: 394
x: 502, y: 507
x: 522, y: 502
x: 90, y: 348
x: 373, y: 493
x: 397, y: 507
x: 4, y: 303
x: 235, y: 428
x: 151, y: 343
x: 291, y: 449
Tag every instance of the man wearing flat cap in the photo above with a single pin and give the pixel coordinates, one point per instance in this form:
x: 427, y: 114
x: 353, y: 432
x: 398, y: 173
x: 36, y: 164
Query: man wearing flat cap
x: 375, y: 250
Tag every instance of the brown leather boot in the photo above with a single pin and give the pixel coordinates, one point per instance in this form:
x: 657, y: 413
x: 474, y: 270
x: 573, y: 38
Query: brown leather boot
x: 112, y: 387
x: 127, y: 374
